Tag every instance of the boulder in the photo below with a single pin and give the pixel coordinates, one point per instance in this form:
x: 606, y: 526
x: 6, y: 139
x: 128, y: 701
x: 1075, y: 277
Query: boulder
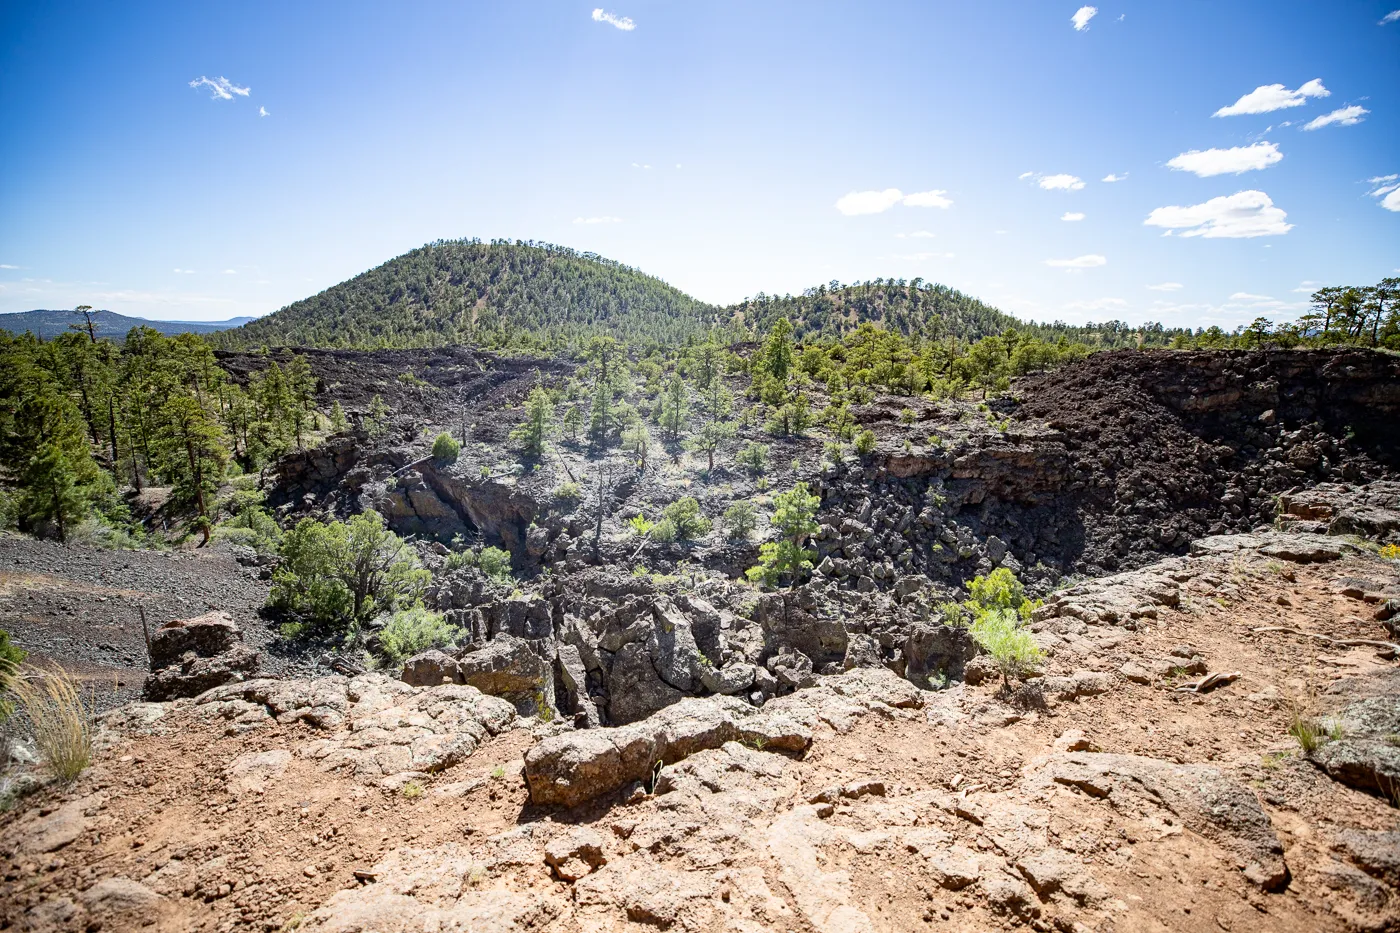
x: 431, y: 668
x: 1364, y: 754
x: 507, y: 667
x: 575, y: 767
x: 191, y: 656
x: 576, y: 853
x: 939, y: 651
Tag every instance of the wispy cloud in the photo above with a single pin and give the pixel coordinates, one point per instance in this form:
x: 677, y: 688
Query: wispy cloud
x: 1024, y: 175
x: 1081, y: 17
x: 598, y: 220
x: 1098, y: 304
x: 1390, y: 17
x: 1345, y: 116
x: 1165, y: 287
x: 1246, y: 296
x: 1271, y: 97
x: 1079, y: 262
x: 230, y: 272
x: 1071, y: 216
x: 877, y: 202
x: 916, y: 235
x: 220, y: 88
x: 262, y: 112
x: 6, y: 265
x: 1060, y: 182
x: 612, y: 19
x: 183, y: 271
x: 1111, y: 178
x: 1208, y: 162
x: 1387, y: 189
x: 1241, y: 215
x: 928, y: 199
x: 920, y: 257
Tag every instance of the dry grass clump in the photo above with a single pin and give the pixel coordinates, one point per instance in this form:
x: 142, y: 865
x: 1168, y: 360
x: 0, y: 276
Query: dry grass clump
x: 60, y: 717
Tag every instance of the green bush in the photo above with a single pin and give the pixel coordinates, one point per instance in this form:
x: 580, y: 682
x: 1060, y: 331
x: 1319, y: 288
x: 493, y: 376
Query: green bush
x: 567, y: 491
x: 495, y: 563
x: 414, y: 630
x: 640, y: 525
x: 664, y: 532
x: 794, y: 519
x: 253, y: 527
x: 339, y: 574
x: 446, y: 448
x: 684, y: 515
x: 740, y: 520
x: 1000, y: 633
x: 865, y: 442
x: 11, y: 657
x: 754, y: 457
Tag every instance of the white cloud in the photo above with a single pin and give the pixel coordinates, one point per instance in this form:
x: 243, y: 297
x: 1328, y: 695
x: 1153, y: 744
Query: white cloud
x: 1024, y: 175
x: 1270, y: 97
x: 877, y: 202
x: 920, y: 257
x: 1240, y: 215
x: 262, y: 111
x: 642, y: 165
x: 220, y: 88
x: 1166, y: 287
x: 1381, y: 179
x: 1081, y: 17
x: 869, y: 202
x: 1345, y: 116
x: 928, y: 199
x: 1078, y: 262
x: 230, y: 272
x: 1071, y: 216
x: 621, y: 22
x: 1246, y: 296
x: 6, y: 265
x: 1111, y: 178
x: 1098, y: 304
x: 1391, y: 201
x: 1390, y: 17
x: 598, y: 220
x: 916, y: 235
x: 1238, y: 160
x: 183, y: 271
x: 1060, y: 182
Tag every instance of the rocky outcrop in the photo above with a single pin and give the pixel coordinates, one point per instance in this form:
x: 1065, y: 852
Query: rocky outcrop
x: 1209, y: 801
x: 1361, y: 748
x: 375, y: 728
x: 574, y: 768
x: 190, y: 656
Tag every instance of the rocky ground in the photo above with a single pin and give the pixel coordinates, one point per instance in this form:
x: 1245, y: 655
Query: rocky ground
x: 79, y: 605
x: 1105, y: 795
x: 626, y: 735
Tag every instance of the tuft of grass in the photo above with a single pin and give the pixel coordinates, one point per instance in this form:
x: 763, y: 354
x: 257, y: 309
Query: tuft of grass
x: 412, y: 790
x: 498, y: 772
x: 1307, y: 731
x: 61, y: 718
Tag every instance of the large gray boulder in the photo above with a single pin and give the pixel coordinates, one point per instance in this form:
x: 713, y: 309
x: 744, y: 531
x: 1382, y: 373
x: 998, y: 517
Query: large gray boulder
x: 509, y: 668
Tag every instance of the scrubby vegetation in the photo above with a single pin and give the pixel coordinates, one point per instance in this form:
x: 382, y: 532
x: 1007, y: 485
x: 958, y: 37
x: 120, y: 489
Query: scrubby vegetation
x: 413, y: 630
x: 60, y: 719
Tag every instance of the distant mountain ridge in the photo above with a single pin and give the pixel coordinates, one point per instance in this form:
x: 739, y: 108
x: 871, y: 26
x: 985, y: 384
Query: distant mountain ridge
x: 47, y: 324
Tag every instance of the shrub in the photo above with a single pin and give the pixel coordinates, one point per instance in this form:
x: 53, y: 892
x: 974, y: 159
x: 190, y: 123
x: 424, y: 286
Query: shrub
x: 459, y: 559
x: 566, y: 491
x: 446, y: 448
x: 339, y: 574
x: 684, y: 515
x: 834, y: 452
x: 11, y: 657
x: 754, y: 457
x: 640, y: 525
x: 61, y: 719
x: 907, y: 416
x: 999, y: 590
x: 740, y: 520
x: 252, y: 526
x: 1390, y: 552
x: 495, y: 563
x: 999, y: 632
x: 414, y: 630
x: 664, y: 531
x: 865, y: 442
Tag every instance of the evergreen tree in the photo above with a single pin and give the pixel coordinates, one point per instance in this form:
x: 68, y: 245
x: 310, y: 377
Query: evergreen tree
x: 539, y: 417
x: 674, y: 409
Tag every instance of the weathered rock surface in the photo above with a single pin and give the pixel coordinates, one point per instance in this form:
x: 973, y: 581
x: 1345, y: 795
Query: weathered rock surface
x: 1209, y: 801
x: 190, y: 656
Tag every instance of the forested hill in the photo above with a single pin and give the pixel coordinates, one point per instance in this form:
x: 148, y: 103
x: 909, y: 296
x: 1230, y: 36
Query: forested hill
x: 47, y: 325
x: 913, y: 309
x: 495, y: 295
x: 534, y: 296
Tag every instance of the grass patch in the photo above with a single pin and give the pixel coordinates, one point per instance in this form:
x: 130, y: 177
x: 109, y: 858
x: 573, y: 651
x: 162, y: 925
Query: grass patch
x: 61, y: 718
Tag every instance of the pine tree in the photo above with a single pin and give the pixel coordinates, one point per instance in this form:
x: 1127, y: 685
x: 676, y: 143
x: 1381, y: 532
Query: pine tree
x: 539, y: 417
x: 674, y: 408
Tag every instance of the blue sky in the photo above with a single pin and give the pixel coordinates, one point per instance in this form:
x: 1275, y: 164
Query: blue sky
x: 727, y: 147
